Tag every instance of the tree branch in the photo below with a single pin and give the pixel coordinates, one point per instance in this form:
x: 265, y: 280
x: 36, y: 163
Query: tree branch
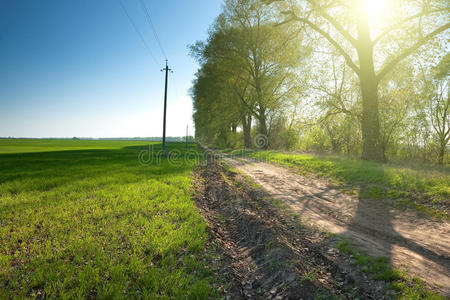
x: 339, y: 28
x: 403, y: 21
x: 328, y: 37
x: 410, y: 50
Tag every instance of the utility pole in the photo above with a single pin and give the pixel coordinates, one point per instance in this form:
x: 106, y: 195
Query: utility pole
x: 166, y: 69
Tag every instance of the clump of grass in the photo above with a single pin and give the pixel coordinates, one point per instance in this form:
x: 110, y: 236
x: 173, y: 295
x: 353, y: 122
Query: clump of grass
x: 414, y: 290
x: 309, y: 276
x: 380, y: 269
x: 92, y: 222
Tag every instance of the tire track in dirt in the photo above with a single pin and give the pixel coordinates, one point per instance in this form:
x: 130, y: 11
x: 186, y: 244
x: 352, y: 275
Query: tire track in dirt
x: 418, y: 245
x: 271, y: 255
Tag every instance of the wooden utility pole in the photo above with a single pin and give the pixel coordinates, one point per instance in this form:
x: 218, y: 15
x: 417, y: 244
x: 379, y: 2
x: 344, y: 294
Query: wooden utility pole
x: 165, y: 108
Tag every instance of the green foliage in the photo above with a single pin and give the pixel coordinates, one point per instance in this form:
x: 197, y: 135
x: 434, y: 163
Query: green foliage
x: 310, y: 88
x: 84, y: 219
x: 247, y: 70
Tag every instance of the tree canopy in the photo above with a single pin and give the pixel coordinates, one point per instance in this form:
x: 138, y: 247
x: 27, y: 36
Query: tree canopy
x: 360, y: 77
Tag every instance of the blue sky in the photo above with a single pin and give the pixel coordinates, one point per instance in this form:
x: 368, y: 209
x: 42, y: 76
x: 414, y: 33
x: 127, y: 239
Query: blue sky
x: 78, y: 68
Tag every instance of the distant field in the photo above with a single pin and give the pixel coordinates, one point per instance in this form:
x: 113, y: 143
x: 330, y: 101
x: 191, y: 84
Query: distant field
x: 46, y: 145
x: 83, y: 219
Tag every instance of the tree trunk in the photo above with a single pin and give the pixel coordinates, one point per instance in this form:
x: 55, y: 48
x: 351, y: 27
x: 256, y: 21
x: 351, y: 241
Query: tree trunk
x: 383, y: 150
x: 247, y: 127
x: 334, y: 143
x: 442, y: 148
x: 370, y: 123
x: 263, y: 141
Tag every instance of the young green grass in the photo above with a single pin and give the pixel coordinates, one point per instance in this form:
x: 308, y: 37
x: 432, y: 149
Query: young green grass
x: 81, y: 219
x: 423, y: 188
x: 380, y: 269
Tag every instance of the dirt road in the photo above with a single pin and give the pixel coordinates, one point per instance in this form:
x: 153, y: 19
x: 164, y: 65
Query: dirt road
x: 418, y: 245
x: 266, y: 252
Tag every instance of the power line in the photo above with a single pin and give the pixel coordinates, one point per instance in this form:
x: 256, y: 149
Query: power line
x: 138, y: 32
x: 149, y: 20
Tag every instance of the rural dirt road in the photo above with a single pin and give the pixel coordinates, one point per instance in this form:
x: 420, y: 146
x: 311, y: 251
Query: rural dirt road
x: 415, y: 244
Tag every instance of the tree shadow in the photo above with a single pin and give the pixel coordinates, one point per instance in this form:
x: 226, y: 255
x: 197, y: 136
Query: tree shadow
x: 374, y: 230
x: 170, y: 146
x: 59, y: 173
x: 370, y: 221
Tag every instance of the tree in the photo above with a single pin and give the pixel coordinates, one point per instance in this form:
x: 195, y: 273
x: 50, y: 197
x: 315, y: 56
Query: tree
x: 211, y: 99
x: 439, y: 104
x: 439, y: 113
x: 258, y: 60
x: 266, y: 53
x: 395, y: 102
x: 222, y: 87
x: 371, y: 58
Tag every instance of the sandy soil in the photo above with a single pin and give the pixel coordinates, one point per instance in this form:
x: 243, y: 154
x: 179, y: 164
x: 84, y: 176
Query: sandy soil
x: 415, y: 244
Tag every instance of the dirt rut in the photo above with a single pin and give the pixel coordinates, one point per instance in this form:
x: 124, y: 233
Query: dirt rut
x: 270, y: 254
x: 418, y: 245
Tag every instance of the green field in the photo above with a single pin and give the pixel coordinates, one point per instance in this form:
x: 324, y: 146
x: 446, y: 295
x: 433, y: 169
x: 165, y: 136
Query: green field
x: 424, y: 188
x: 84, y: 219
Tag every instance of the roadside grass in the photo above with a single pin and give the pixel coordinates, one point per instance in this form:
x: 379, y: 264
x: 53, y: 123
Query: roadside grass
x: 425, y: 189
x: 379, y: 268
x: 84, y: 219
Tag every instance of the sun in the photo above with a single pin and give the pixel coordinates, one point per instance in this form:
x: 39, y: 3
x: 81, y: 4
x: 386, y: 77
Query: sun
x: 377, y: 10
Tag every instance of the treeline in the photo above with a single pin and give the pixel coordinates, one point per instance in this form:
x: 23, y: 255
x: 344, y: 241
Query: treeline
x: 149, y: 139
x: 327, y: 76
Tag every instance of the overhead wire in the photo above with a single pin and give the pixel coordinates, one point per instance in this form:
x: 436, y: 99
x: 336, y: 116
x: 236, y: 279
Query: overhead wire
x: 138, y: 31
x: 149, y: 20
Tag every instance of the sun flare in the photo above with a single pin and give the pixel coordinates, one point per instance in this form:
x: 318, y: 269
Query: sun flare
x: 376, y: 10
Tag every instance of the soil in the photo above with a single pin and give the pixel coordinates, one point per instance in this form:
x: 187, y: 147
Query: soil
x: 416, y: 244
x: 268, y: 253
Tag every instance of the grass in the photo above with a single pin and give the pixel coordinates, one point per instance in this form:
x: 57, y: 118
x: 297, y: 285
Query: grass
x: 84, y: 219
x: 423, y: 188
x: 380, y: 269
x: 15, y: 146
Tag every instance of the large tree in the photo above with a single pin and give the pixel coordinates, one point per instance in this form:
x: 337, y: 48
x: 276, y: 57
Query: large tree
x: 211, y: 94
x: 371, y: 49
x: 258, y: 59
x: 266, y: 55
